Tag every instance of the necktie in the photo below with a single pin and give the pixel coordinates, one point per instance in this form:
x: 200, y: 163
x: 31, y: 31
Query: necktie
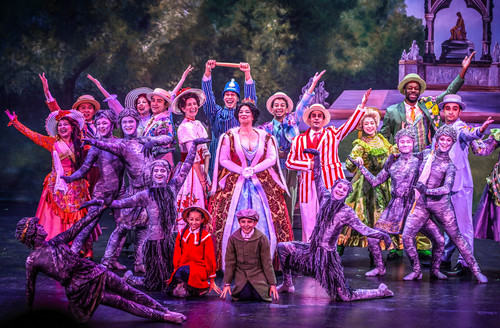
x: 316, y: 139
x: 412, y: 114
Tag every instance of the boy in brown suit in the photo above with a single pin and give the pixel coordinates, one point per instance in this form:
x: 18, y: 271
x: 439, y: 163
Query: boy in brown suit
x: 248, y: 261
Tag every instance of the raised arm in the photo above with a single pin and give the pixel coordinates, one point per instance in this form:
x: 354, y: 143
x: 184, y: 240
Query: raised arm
x: 306, y: 97
x: 321, y: 189
x: 110, y: 99
x: 41, y: 140
x: 182, y: 80
x: 250, y: 92
x: 209, y: 107
x: 178, y: 180
x: 50, y: 101
x: 351, y: 123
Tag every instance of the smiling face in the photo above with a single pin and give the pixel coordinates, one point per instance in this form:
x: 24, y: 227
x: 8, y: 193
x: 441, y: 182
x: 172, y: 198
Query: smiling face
x: 160, y: 175
x: 194, y: 219
x: 129, y: 126
x: 191, y: 108
x: 104, y: 127
x: 64, y: 129
x: 41, y: 235
x: 158, y: 105
x: 230, y: 99
x: 369, y: 126
x: 279, y: 108
x: 87, y: 110
x: 451, y: 112
x: 412, y: 92
x: 405, y: 145
x: 340, y: 191
x: 247, y: 225
x: 143, y: 106
x: 316, y: 119
x: 245, y: 115
x: 445, y: 143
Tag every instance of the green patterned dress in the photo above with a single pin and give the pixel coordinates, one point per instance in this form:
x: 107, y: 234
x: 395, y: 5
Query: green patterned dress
x: 366, y: 201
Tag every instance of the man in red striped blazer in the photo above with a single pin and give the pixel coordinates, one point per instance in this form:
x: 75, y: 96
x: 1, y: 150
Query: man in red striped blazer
x: 326, y: 141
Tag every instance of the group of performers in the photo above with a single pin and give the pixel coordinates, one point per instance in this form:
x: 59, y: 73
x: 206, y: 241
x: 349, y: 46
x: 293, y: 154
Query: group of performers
x: 227, y: 204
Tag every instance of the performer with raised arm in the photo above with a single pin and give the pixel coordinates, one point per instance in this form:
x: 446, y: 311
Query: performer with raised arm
x: 326, y: 140
x: 433, y: 198
x: 221, y: 119
x: 319, y: 258
x: 402, y: 170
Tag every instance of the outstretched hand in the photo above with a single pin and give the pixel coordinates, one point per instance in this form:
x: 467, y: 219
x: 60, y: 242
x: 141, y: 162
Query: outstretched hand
x: 356, y: 162
x: 12, y: 116
x: 91, y: 78
x: 273, y: 293
x: 485, y: 125
x: 45, y: 83
x: 225, y: 291
x: 147, y: 148
x: 201, y: 141
x: 92, y: 202
x: 311, y: 151
x: 318, y: 76
x: 209, y: 66
x: 365, y: 98
x: 186, y: 72
x: 467, y: 60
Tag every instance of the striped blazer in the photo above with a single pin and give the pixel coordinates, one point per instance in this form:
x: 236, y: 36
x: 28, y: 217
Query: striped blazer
x: 328, y: 147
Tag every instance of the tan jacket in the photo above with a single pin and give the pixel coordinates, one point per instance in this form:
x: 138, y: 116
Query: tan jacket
x: 249, y: 261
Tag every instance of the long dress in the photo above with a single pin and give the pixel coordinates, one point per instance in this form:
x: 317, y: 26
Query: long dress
x: 487, y: 216
x: 366, y: 201
x: 58, y: 211
x: 263, y: 191
x: 191, y: 192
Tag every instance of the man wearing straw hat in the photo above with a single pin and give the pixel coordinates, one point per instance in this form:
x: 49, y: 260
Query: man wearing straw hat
x: 284, y: 127
x: 326, y: 141
x: 221, y: 119
x: 463, y: 187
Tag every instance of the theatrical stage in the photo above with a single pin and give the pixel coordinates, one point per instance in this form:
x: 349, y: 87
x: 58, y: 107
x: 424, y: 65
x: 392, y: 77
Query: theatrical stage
x: 456, y: 302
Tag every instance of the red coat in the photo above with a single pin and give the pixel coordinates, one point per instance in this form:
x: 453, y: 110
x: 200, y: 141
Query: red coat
x: 200, y: 258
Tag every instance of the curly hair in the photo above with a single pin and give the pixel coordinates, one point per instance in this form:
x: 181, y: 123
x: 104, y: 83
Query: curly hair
x: 132, y: 112
x: 184, y: 98
x: 446, y: 130
x: 404, y: 133
x: 77, y: 141
x: 255, y: 111
x: 26, y: 230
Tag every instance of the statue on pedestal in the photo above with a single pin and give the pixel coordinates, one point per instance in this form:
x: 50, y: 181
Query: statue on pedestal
x: 458, y: 31
x: 457, y: 46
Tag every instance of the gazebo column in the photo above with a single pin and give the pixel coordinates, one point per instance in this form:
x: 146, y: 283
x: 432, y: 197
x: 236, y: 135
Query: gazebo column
x: 429, y: 56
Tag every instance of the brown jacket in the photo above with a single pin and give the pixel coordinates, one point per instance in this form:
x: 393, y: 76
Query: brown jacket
x: 249, y: 261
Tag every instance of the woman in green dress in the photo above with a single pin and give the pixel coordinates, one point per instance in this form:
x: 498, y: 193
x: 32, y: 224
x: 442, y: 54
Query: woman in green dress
x: 372, y: 150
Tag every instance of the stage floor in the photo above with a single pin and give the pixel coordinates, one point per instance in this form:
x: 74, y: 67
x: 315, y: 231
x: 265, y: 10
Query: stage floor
x: 456, y: 302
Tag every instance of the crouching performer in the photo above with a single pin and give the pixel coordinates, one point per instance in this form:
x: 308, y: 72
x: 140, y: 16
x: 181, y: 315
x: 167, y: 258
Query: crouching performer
x: 319, y: 258
x: 87, y: 284
x: 433, y: 197
x: 402, y: 169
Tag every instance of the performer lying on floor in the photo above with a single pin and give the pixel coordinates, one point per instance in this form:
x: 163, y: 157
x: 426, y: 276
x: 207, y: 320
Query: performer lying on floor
x: 87, y: 284
x: 319, y: 259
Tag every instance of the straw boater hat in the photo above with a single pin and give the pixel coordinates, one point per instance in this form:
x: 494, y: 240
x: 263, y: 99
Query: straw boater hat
x: 55, y: 117
x: 132, y: 95
x: 86, y: 99
x: 451, y: 98
x: 206, y: 216
x: 288, y: 100
x: 160, y: 93
x: 198, y: 93
x: 412, y: 77
x: 247, y: 214
x: 326, y: 113
x: 372, y: 112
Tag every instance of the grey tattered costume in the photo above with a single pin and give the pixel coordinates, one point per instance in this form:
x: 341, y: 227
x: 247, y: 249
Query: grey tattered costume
x: 402, y: 169
x: 86, y: 283
x: 435, y: 200
x: 320, y: 259
x: 134, y: 153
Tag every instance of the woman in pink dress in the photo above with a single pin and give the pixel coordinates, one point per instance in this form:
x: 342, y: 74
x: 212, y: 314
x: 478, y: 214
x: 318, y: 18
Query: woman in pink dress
x: 59, y: 204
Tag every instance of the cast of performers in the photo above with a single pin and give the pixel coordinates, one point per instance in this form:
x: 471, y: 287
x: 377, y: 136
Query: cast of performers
x: 59, y: 204
x: 247, y: 175
x: 370, y: 150
x: 319, y: 258
x: 194, y: 256
x: 195, y: 189
x: 87, y: 284
x: 326, y: 140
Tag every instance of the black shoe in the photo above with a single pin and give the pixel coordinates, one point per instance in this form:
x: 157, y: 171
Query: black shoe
x: 445, y: 266
x: 394, y: 255
x: 424, y: 255
x: 340, y: 249
x: 459, y: 270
